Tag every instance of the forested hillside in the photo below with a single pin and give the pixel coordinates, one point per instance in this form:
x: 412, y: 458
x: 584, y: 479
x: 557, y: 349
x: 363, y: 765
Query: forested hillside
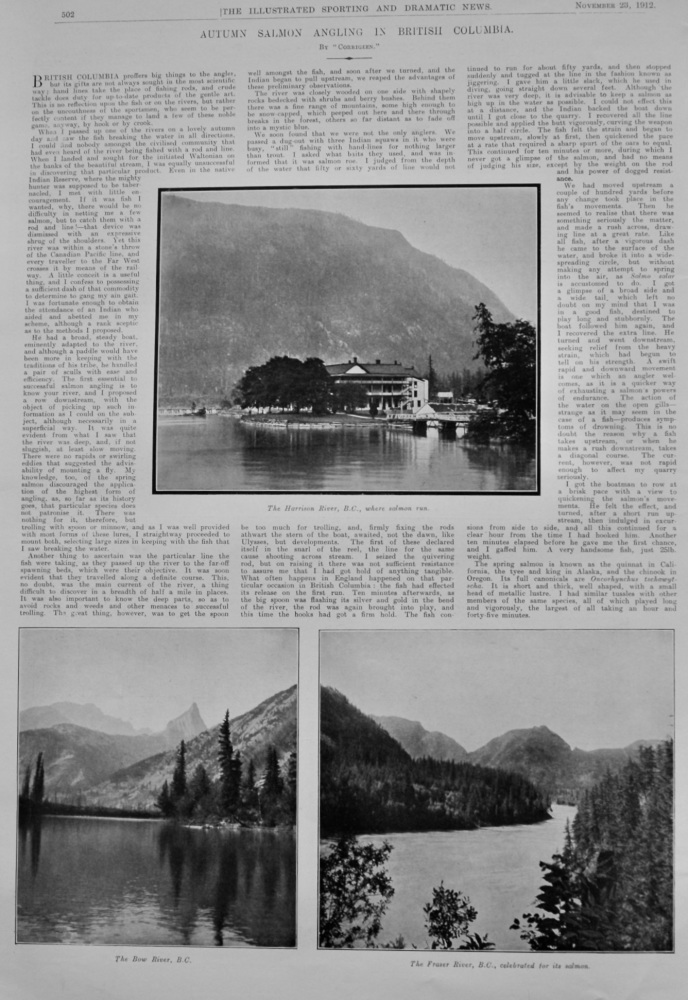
x: 536, y: 753
x: 546, y: 759
x: 241, y: 284
x: 77, y: 756
x: 611, y: 888
x: 272, y: 724
x: 418, y: 742
x: 368, y: 783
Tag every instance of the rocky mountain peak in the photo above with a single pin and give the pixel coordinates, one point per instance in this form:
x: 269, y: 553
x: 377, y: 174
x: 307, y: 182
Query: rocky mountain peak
x: 185, y: 726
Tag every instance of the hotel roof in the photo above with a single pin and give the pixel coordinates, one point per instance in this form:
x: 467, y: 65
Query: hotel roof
x: 373, y: 368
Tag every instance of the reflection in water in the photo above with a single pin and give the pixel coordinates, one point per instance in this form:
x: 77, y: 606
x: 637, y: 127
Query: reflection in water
x: 223, y: 453
x: 225, y: 896
x: 30, y: 829
x: 98, y: 881
x: 504, y: 461
x: 36, y: 833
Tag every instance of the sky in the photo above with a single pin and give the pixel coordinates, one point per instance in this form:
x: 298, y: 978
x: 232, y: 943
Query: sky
x: 594, y: 688
x: 491, y: 232
x: 148, y: 676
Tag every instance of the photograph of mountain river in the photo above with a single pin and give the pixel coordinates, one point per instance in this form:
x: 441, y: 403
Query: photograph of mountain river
x: 497, y: 790
x: 348, y: 339
x: 157, y: 786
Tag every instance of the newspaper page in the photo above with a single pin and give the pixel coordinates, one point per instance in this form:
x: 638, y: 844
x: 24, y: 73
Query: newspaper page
x: 342, y: 576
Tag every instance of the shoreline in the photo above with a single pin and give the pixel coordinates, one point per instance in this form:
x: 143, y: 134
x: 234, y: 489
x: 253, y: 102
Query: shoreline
x: 304, y: 422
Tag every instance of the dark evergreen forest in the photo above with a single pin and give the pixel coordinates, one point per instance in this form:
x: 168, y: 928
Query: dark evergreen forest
x: 369, y: 784
x: 611, y: 888
x: 239, y: 795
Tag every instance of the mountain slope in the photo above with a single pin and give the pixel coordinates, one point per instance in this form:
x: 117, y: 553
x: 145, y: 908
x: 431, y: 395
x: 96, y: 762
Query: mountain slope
x: 77, y: 756
x: 546, y: 759
x: 271, y: 723
x: 369, y: 783
x: 240, y: 284
x: 418, y: 742
x: 349, y: 735
x: 89, y: 716
x: 537, y: 752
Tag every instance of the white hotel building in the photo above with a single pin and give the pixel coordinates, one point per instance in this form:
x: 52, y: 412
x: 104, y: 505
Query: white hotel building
x: 391, y: 386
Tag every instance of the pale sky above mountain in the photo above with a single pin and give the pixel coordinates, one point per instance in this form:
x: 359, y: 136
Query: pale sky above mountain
x: 491, y: 232
x: 148, y: 676
x: 594, y: 688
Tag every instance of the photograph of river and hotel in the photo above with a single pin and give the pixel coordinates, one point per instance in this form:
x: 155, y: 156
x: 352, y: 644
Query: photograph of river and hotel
x: 348, y: 340
x: 497, y: 790
x: 157, y: 787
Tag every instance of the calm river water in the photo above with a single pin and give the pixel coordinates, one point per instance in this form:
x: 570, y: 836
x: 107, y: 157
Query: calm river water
x: 223, y: 454
x: 104, y: 881
x: 496, y: 867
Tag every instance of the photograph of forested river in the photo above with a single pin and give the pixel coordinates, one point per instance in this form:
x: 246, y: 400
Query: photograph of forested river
x: 497, y: 790
x: 140, y: 822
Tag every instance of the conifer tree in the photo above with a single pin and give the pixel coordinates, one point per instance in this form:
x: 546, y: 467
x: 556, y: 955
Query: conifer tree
x: 272, y: 783
x: 509, y: 353
x: 250, y: 779
x: 200, y: 787
x: 611, y: 888
x: 271, y: 791
x: 249, y: 790
x: 164, y: 800
x: 236, y: 778
x: 230, y: 769
x: 179, y: 775
x: 290, y: 785
x: 38, y: 781
x: 432, y: 379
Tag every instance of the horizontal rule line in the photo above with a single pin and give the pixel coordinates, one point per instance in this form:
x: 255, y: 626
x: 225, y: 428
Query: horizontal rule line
x: 335, y: 17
